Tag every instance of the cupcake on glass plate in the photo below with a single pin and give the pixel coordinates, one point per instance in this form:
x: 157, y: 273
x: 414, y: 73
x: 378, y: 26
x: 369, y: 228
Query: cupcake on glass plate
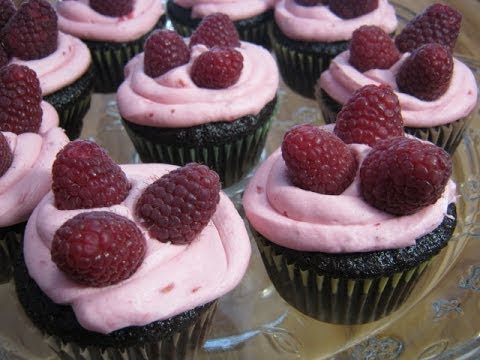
x: 62, y: 62
x: 114, y: 31
x: 29, y: 141
x: 307, y: 34
x: 252, y: 18
x: 131, y: 265
x: 208, y: 100
x: 438, y: 93
x: 345, y: 223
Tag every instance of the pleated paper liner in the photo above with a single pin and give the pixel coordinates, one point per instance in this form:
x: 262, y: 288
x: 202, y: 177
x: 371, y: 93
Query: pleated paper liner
x: 72, y: 103
x: 355, y: 297
x: 254, y: 29
x: 232, y: 149
x: 10, y: 239
x: 110, y: 58
x: 183, y: 344
x: 328, y: 106
x: 300, y: 62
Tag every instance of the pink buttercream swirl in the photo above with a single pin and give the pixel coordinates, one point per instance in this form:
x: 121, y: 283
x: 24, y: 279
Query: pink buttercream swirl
x: 29, y: 177
x: 318, y: 23
x: 79, y: 19
x: 173, y: 100
x: 236, y: 10
x: 307, y: 221
x: 61, y: 68
x: 341, y: 80
x: 171, y: 279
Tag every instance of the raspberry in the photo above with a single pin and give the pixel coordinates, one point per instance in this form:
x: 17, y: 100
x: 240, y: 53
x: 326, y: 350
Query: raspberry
x: 317, y: 160
x: 20, y: 99
x: 7, y: 9
x: 371, y: 114
x: 427, y: 72
x: 98, y: 248
x: 32, y: 32
x: 437, y: 24
x: 372, y: 48
x: 217, y: 68
x: 3, y: 57
x: 85, y: 177
x: 164, y: 50
x: 115, y: 8
x: 349, y: 9
x: 216, y: 30
x: 180, y: 204
x: 402, y: 175
x: 6, y: 156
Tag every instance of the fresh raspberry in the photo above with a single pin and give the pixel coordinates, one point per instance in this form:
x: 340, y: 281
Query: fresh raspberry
x: 98, y: 248
x: 402, y: 175
x: 7, y: 9
x: 180, y: 204
x: 317, y: 160
x: 216, y: 30
x: 164, y: 50
x: 437, y: 24
x: 371, y: 114
x: 20, y: 99
x: 32, y: 32
x: 349, y: 9
x: 427, y: 72
x: 217, y: 68
x: 112, y: 8
x: 372, y: 48
x: 85, y: 177
x: 3, y: 57
x: 6, y: 156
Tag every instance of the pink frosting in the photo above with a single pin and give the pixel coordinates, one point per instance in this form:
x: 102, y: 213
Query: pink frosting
x: 308, y: 221
x: 29, y: 177
x: 78, y: 19
x: 61, y: 68
x: 341, y: 80
x: 171, y: 279
x: 236, y: 10
x: 173, y: 100
x: 318, y: 23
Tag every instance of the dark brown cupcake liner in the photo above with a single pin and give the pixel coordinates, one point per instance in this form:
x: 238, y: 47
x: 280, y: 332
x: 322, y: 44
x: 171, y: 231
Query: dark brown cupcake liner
x: 72, y: 103
x: 183, y: 344
x: 447, y: 136
x: 300, y: 62
x: 110, y: 58
x: 254, y: 29
x: 10, y: 239
x: 355, y: 288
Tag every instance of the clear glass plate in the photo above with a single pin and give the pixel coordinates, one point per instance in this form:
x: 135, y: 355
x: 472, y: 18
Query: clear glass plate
x: 440, y: 320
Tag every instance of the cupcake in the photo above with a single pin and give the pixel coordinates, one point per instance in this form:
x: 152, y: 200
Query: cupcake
x: 306, y: 35
x: 252, y: 18
x: 149, y: 288
x: 62, y: 62
x: 29, y: 140
x: 346, y: 230
x: 437, y: 93
x: 197, y: 101
x: 113, y: 31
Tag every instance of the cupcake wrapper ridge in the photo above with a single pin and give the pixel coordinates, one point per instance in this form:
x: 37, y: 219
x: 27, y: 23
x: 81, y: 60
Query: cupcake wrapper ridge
x: 10, y: 240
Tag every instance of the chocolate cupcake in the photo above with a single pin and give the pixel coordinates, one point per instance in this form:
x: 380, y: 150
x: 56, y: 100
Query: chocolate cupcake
x: 332, y: 248
x: 306, y: 37
x: 182, y: 112
x: 113, y: 32
x: 138, y: 291
x: 252, y: 18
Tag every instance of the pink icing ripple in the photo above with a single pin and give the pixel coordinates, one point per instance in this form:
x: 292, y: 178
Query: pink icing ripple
x: 305, y: 221
x: 236, y: 10
x: 342, y: 79
x: 163, y: 285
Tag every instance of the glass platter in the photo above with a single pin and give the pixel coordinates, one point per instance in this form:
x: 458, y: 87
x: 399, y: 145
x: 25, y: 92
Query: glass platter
x: 440, y: 320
